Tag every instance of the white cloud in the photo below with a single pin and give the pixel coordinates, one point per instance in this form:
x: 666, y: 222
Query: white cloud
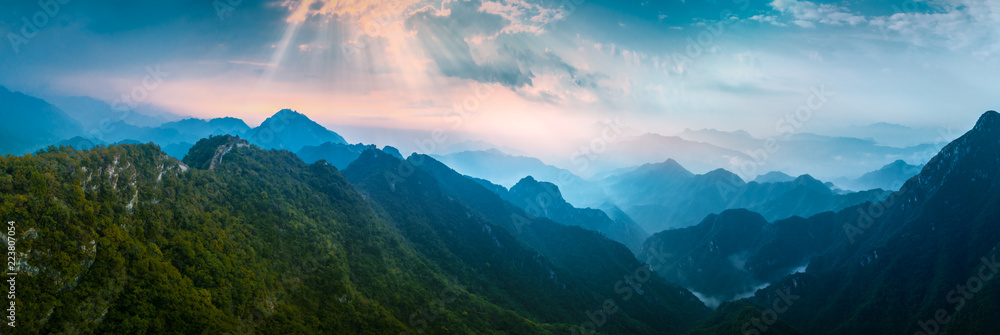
x: 959, y: 25
x: 524, y: 16
x: 804, y: 23
x: 766, y: 19
x: 807, y: 13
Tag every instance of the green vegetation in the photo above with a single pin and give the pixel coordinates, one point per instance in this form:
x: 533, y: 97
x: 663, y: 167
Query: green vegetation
x: 596, y: 268
x: 125, y: 240
x: 741, y: 317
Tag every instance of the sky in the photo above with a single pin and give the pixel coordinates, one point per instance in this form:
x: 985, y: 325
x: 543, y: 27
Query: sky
x: 539, y: 76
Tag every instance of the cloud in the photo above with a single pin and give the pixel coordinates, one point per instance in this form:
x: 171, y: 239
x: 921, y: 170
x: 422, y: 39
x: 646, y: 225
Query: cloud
x: 444, y: 40
x: 523, y: 16
x: 488, y: 42
x: 807, y: 13
x: 804, y: 23
x: 967, y: 25
x: 554, y: 80
x: 766, y: 19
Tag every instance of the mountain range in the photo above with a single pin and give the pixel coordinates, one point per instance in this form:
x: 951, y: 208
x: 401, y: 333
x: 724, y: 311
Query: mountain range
x: 94, y: 114
x: 300, y: 248
x: 32, y: 123
x: 124, y: 238
x: 736, y: 252
x: 919, y: 262
x: 507, y: 170
x: 889, y: 177
x: 826, y: 157
x: 543, y: 199
x: 928, y: 250
x: 666, y: 195
x: 97, y: 122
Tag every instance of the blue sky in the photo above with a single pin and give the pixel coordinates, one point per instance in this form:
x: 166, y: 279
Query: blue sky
x: 539, y: 76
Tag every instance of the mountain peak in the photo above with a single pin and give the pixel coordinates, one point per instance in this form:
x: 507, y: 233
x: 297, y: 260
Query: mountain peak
x: 529, y: 185
x: 208, y: 152
x: 989, y: 121
x: 291, y: 130
x: 392, y: 151
x: 721, y: 174
x: 491, y: 152
x: 965, y: 158
x: 805, y: 178
x: 671, y: 165
x: 287, y: 111
x: 773, y: 177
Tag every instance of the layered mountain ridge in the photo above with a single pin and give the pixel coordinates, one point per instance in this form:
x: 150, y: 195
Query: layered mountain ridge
x: 917, y: 251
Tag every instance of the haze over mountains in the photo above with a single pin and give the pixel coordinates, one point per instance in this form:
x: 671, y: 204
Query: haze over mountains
x: 826, y: 158
x: 652, y: 248
x: 929, y: 250
x: 663, y: 248
x: 647, y: 195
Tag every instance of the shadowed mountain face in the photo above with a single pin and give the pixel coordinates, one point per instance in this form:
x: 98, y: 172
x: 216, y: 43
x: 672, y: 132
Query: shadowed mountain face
x: 490, y: 242
x: 665, y: 195
x: 543, y: 199
x: 732, y: 254
x: 338, y: 155
x: 259, y: 236
x: 236, y: 233
x: 928, y: 249
x: 123, y: 238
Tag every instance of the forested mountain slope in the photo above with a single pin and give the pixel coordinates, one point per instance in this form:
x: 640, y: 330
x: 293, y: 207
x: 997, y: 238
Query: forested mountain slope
x: 552, y: 272
x: 126, y: 240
